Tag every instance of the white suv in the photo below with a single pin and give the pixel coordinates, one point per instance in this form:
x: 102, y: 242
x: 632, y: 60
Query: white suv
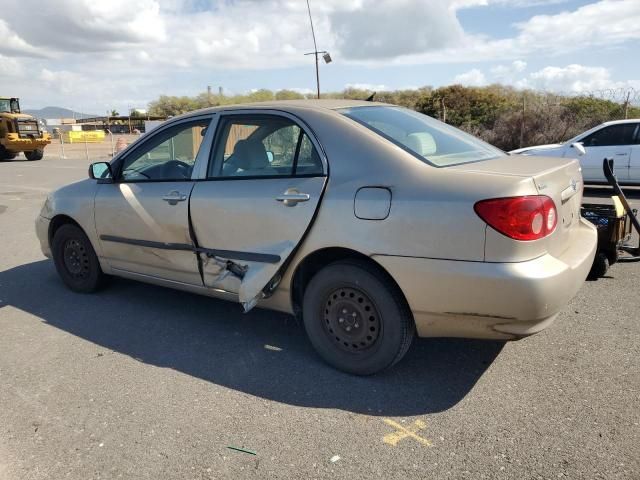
x: 619, y: 140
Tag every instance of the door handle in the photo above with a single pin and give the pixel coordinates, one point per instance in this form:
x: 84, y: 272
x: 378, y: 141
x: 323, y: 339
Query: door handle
x: 174, y: 197
x: 292, y: 197
x: 622, y: 154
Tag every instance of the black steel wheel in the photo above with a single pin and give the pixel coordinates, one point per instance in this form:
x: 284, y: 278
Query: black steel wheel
x: 75, y: 260
x: 351, y: 319
x: 356, y: 318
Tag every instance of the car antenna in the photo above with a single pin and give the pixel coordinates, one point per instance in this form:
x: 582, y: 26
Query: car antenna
x: 371, y: 97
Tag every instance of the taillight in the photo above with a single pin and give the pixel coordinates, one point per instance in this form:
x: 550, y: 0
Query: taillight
x: 521, y: 218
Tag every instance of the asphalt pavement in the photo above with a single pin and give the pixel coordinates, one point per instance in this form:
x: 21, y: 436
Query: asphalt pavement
x: 144, y: 382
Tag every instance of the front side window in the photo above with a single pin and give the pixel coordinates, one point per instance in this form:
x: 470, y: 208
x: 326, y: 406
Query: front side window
x: 5, y: 106
x: 167, y: 156
x: 612, y: 135
x: 431, y: 141
x: 263, y: 146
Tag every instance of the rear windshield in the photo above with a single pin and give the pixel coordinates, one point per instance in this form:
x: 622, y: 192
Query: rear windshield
x: 431, y: 141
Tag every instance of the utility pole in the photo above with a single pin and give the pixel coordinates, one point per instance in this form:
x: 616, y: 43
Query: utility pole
x: 325, y: 56
x: 315, y: 48
x: 626, y: 105
x: 208, y: 95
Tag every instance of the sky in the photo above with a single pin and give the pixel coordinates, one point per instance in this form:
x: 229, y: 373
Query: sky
x: 93, y: 56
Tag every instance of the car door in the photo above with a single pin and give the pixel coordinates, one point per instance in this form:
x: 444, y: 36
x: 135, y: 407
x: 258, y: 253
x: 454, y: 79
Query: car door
x: 142, y: 219
x: 634, y: 162
x: 264, y: 183
x: 612, y: 141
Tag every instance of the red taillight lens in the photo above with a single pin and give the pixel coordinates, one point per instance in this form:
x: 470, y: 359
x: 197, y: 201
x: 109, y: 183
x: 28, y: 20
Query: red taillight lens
x: 521, y: 218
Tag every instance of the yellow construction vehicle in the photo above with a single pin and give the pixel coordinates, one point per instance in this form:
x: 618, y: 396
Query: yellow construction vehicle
x: 20, y: 132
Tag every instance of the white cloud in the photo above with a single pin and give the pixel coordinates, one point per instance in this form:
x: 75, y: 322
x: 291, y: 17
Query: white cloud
x: 391, y: 28
x: 572, y: 78
x: 607, y: 22
x: 367, y: 86
x: 10, y: 67
x: 12, y: 44
x: 569, y: 79
x: 472, y: 78
x: 99, y: 51
x: 84, y: 25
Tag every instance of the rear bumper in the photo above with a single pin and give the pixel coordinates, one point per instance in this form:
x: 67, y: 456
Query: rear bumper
x: 451, y: 298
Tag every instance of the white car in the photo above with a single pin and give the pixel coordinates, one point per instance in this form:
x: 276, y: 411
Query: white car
x: 619, y: 140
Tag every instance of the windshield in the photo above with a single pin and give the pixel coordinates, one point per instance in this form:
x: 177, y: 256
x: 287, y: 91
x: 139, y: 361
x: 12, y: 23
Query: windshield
x: 430, y: 140
x: 5, y: 105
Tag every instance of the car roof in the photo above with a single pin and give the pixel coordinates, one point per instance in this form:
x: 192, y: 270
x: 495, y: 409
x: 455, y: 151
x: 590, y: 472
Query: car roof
x: 314, y: 104
x: 617, y: 122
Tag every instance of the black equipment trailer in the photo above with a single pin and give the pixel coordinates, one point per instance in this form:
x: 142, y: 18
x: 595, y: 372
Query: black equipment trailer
x: 615, y: 224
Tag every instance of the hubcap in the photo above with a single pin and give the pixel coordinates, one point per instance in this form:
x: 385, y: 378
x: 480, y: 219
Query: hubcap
x: 351, y: 319
x: 76, y: 259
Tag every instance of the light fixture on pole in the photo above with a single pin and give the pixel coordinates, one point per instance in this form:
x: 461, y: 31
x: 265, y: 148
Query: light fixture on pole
x: 325, y: 55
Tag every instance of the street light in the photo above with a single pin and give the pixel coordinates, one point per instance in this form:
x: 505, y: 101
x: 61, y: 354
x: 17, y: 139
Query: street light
x: 325, y: 55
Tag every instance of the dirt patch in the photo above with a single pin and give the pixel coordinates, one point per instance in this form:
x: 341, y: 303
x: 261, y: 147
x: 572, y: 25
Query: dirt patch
x: 3, y: 208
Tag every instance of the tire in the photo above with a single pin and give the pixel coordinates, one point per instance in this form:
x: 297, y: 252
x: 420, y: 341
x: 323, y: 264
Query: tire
x: 6, y: 155
x: 355, y: 319
x: 34, y: 155
x: 599, y: 267
x: 75, y: 260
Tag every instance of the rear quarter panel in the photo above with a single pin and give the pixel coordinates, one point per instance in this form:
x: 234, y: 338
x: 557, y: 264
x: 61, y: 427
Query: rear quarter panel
x: 431, y: 214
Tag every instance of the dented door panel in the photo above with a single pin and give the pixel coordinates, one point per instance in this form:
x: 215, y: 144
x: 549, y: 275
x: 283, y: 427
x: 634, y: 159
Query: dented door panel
x: 245, y: 233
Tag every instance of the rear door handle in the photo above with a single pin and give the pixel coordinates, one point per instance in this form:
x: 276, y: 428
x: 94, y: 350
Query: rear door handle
x: 622, y: 154
x: 174, y: 197
x: 292, y: 197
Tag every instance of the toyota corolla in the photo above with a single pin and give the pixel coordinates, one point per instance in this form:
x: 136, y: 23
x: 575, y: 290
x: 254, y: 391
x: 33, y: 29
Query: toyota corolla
x: 371, y: 222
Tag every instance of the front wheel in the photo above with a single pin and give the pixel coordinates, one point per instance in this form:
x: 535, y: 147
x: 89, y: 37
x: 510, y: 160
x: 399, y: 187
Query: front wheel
x: 75, y: 260
x: 6, y: 154
x: 356, y: 319
x: 34, y: 155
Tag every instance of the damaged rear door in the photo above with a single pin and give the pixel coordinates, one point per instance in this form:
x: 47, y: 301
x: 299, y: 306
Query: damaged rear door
x: 264, y: 183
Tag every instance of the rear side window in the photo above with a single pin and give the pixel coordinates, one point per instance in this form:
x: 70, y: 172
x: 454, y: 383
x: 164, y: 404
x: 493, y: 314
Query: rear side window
x: 431, y: 141
x: 612, y: 135
x: 263, y: 146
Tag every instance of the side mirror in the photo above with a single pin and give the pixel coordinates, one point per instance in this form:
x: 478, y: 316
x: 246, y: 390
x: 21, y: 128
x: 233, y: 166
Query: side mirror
x: 101, y: 171
x: 579, y: 148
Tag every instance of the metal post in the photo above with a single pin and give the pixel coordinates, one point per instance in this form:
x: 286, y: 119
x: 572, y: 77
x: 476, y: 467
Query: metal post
x: 315, y: 49
x: 62, y: 156
x: 626, y: 105
x: 318, y: 76
x: 524, y: 106
x: 86, y: 147
x: 111, y: 138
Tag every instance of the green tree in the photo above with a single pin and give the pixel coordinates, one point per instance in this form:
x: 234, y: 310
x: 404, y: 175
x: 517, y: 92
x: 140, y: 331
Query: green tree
x: 168, y: 106
x: 288, y: 95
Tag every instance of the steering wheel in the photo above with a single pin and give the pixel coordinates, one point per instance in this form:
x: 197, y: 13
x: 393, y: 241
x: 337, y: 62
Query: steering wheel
x: 177, y: 169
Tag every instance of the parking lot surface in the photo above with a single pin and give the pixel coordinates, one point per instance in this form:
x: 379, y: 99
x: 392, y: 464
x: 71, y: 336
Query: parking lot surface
x: 143, y: 382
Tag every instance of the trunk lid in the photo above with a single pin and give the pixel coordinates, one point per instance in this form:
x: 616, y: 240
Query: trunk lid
x: 558, y: 178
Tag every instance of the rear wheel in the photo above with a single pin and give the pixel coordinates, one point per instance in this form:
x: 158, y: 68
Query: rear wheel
x: 75, y: 260
x: 34, y: 155
x: 356, y: 320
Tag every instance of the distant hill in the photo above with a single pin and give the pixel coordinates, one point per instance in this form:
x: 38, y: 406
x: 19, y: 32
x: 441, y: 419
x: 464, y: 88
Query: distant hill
x: 57, y: 112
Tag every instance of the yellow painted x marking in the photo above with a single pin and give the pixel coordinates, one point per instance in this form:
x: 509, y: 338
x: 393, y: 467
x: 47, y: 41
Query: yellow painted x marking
x: 403, y: 432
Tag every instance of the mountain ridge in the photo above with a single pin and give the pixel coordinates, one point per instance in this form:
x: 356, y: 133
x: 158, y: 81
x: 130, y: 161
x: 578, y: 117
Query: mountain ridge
x: 56, y: 112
